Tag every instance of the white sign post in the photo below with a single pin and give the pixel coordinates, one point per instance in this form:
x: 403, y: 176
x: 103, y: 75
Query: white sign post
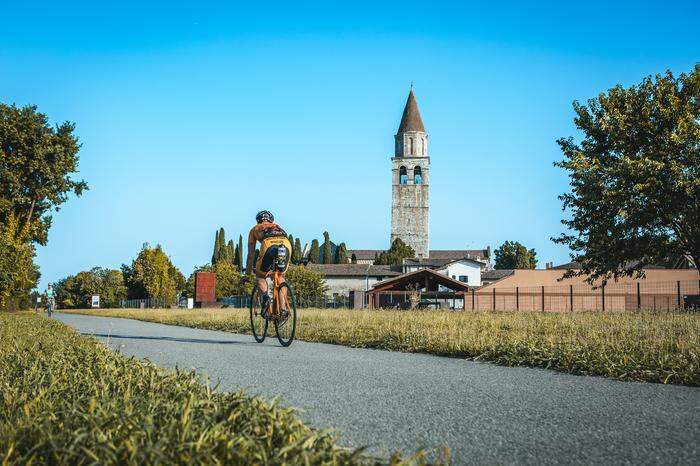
x: 95, y: 301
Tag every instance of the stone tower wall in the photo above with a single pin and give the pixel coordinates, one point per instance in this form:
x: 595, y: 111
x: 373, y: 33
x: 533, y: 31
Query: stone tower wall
x: 410, y: 211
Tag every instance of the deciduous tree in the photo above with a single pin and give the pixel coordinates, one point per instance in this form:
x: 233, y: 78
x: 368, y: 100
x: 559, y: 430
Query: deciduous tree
x: 513, y: 255
x: 307, y: 283
x: 37, y: 162
x: 154, y: 276
x: 634, y: 177
x: 396, y: 254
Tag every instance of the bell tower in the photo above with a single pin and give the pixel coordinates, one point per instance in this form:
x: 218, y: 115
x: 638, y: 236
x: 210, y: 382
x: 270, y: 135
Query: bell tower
x: 410, y: 181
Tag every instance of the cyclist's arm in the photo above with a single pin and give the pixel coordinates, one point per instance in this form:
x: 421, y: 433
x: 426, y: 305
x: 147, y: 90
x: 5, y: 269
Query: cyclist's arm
x: 251, y: 252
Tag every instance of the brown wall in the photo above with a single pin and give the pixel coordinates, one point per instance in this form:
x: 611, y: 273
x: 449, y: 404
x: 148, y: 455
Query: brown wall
x: 550, y: 277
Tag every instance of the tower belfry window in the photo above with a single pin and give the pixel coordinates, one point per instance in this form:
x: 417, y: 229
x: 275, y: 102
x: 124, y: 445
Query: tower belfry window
x: 422, y: 146
x: 403, y: 176
x: 417, y: 175
x: 411, y: 145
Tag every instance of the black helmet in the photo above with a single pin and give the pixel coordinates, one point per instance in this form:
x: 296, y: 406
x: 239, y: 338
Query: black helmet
x: 264, y: 216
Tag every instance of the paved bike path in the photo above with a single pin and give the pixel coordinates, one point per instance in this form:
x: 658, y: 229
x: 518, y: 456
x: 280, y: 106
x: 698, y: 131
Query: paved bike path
x: 483, y: 412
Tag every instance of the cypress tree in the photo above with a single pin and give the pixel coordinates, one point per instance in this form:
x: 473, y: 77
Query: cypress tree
x: 230, y: 252
x: 240, y: 252
x: 296, y: 258
x: 221, y: 251
x: 291, y: 253
x: 341, y: 256
x: 215, y: 252
x: 236, y: 256
x: 327, y: 256
x: 314, y: 254
x: 353, y: 258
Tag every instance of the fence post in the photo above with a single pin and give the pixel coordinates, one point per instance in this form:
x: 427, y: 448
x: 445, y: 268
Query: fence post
x: 602, y: 290
x: 678, y: 291
x: 543, y: 299
x: 517, y: 298
x: 571, y: 298
x: 473, y: 300
x: 494, y: 299
x: 639, y: 297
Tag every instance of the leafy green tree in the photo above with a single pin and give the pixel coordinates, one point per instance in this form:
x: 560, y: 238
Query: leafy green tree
x: 513, y: 255
x: 635, y: 177
x: 297, y: 252
x: 37, y: 162
x: 327, y: 256
x: 152, y: 275
x: 227, y: 279
x: 314, y: 253
x: 18, y: 273
x: 341, y: 254
x: 239, y: 262
x: 396, y: 254
x: 307, y: 283
x: 76, y: 290
x: 353, y: 258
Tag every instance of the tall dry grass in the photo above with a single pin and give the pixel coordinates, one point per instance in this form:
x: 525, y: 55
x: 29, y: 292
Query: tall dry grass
x: 648, y: 346
x: 66, y: 399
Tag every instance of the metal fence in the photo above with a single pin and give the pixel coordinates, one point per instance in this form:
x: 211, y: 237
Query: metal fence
x: 611, y: 297
x: 147, y: 303
x: 333, y: 302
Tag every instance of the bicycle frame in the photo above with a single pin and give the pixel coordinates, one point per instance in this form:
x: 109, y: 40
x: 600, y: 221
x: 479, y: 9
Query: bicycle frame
x: 277, y: 277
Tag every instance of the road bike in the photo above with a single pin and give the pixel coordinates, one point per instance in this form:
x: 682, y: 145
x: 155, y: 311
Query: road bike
x: 285, y: 326
x: 49, y: 306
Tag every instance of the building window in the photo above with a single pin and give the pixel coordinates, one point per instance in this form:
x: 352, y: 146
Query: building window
x: 411, y: 145
x: 422, y: 146
x: 464, y: 279
x: 403, y: 177
x: 417, y: 175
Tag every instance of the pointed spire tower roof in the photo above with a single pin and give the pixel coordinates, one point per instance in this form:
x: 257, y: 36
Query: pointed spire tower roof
x: 411, y: 120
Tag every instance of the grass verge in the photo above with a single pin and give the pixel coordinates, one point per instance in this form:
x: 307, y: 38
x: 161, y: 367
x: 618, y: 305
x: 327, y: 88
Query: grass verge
x: 67, y: 399
x: 661, y: 347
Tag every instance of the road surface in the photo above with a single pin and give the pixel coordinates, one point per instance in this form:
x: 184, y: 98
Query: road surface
x: 483, y: 412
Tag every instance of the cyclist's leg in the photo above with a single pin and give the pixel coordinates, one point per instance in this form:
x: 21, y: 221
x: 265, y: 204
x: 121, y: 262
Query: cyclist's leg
x: 283, y: 295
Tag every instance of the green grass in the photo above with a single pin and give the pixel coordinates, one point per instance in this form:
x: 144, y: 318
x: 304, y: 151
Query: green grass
x: 661, y: 347
x: 67, y: 399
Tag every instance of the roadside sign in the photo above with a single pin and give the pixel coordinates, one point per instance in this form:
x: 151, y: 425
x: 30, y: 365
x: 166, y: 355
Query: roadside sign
x: 95, y: 301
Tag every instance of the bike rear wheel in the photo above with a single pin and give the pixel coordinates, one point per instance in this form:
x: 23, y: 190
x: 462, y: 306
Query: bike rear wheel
x: 286, y: 328
x: 257, y: 322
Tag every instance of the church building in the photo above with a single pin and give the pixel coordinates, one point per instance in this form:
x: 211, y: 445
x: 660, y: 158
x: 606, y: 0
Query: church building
x: 410, y: 185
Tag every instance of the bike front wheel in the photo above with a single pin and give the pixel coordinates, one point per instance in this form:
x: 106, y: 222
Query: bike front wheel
x: 285, y: 328
x: 258, y: 323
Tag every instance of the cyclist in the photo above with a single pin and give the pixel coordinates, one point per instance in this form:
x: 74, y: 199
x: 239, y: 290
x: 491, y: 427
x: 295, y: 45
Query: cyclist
x: 272, y: 238
x: 50, y: 296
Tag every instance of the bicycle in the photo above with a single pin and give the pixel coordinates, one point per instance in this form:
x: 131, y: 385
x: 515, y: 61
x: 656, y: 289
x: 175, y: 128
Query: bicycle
x: 285, y: 327
x: 49, y: 306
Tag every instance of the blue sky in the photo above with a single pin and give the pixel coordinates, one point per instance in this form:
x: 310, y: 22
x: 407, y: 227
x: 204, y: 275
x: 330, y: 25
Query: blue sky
x: 197, y: 115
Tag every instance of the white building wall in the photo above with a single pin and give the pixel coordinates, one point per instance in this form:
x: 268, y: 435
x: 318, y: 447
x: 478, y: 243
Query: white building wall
x: 343, y: 285
x: 468, y: 269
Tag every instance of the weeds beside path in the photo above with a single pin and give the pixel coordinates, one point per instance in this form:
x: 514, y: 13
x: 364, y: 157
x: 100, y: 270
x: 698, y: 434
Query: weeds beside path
x: 67, y: 399
x: 661, y: 347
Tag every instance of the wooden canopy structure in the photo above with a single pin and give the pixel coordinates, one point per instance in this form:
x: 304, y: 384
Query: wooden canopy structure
x: 398, y: 291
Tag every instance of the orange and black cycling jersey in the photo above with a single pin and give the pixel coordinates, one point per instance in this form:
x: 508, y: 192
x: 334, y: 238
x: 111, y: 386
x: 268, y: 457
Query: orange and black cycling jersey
x: 261, y: 232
